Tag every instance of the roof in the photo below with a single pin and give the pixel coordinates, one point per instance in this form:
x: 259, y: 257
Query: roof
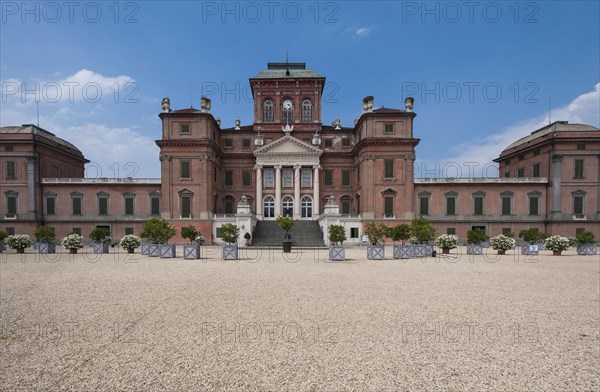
x: 286, y: 70
x: 35, y: 130
x: 557, y: 126
x: 188, y: 110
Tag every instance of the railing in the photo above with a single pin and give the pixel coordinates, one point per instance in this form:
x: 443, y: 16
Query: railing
x: 101, y: 180
x: 507, y: 180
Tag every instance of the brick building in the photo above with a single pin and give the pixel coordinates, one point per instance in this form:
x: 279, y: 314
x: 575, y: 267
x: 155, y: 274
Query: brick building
x: 287, y: 162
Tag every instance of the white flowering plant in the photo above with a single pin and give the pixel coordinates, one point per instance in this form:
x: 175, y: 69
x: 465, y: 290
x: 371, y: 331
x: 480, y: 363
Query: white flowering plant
x: 18, y: 241
x: 72, y: 241
x: 557, y: 243
x: 130, y: 241
x: 502, y: 242
x: 200, y: 239
x: 449, y: 241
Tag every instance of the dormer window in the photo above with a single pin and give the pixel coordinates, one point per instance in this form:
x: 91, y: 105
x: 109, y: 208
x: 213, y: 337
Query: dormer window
x: 306, y: 111
x: 288, y: 112
x: 268, y: 111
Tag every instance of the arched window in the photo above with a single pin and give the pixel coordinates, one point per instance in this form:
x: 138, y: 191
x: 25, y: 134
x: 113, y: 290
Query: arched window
x: 269, y: 207
x: 287, y: 110
x: 306, y: 111
x: 268, y: 111
x: 287, y: 206
x: 306, y: 207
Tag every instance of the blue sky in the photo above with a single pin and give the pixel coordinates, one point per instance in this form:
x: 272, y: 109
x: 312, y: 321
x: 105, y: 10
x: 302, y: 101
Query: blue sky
x: 490, y: 68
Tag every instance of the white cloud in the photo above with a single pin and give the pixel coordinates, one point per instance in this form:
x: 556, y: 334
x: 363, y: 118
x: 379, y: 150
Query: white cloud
x: 479, y: 152
x: 362, y: 32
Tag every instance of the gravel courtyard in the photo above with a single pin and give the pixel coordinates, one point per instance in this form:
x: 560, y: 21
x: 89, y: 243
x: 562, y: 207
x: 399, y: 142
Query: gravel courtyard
x: 129, y: 322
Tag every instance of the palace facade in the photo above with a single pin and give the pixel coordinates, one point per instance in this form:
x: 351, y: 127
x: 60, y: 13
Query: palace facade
x: 289, y: 163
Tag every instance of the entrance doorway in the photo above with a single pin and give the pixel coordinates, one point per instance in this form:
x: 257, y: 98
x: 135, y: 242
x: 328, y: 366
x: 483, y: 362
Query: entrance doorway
x: 269, y: 207
x: 306, y: 207
x: 287, y: 206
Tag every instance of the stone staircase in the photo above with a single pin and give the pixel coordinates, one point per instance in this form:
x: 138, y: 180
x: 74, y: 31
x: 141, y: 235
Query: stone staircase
x: 305, y: 234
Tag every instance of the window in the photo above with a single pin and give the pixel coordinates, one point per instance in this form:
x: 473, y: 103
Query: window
x: 345, y: 178
x: 128, y: 230
x: 268, y: 111
x: 76, y: 203
x: 184, y: 129
x: 306, y: 207
x: 306, y: 178
x: 246, y: 178
x: 102, y: 203
x: 328, y: 143
x: 578, y: 168
x: 388, y: 128
x: 218, y: 234
x: 10, y: 230
x: 268, y: 178
x: 354, y: 232
x: 50, y: 203
x: 478, y: 199
x: 536, y: 170
x: 11, y: 202
x: 269, y: 207
x: 306, y: 111
x: 521, y: 172
x: 534, y: 202
x: 129, y: 203
x: 288, y: 177
x: 577, y: 230
x: 345, y: 142
x: 578, y: 203
x: 506, y: 230
x: 506, y: 203
x: 388, y: 168
x: 451, y: 230
x: 186, y: 206
x: 424, y: 203
x: 229, y: 205
x: 346, y: 207
x: 185, y: 169
x: 389, y: 206
x: 451, y: 205
x: 507, y: 174
x: 581, y: 146
x: 228, y: 142
x: 536, y: 152
x: 11, y: 170
x: 246, y: 143
x: 521, y: 157
x: 507, y: 162
x: 288, y: 112
x: 328, y: 180
x: 154, y: 205
x: 8, y: 148
x: 76, y: 230
x: 228, y: 178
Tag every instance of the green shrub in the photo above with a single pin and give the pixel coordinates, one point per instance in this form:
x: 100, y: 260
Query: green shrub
x: 531, y: 235
x: 230, y: 233
x: 130, y: 241
x: 336, y: 234
x: 44, y: 234
x: 72, y: 241
x: 476, y: 236
x: 286, y: 223
x: 18, y: 241
x: 375, y: 231
x: 422, y: 230
x: 157, y: 231
x: 585, y: 238
x: 100, y: 234
x: 3, y: 235
x: 401, y: 232
x: 190, y: 233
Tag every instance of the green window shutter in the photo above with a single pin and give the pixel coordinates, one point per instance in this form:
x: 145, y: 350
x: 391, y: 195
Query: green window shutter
x: 533, y: 205
x: 506, y: 206
x: 579, y: 168
x: 228, y: 178
x: 76, y: 206
x: 478, y: 208
x: 11, y: 204
x: 50, y: 206
x: 346, y: 178
x: 328, y: 177
x: 451, y: 206
x: 521, y: 173
x: 389, y: 206
x: 424, y: 206
x: 345, y: 207
x: 578, y: 205
x: 229, y: 207
x: 129, y: 206
x: 246, y: 178
x: 11, y: 170
x: 128, y: 230
x: 103, y: 206
x: 185, y: 169
x: 536, y: 170
x: 155, y: 206
x: 389, y: 168
x: 185, y: 206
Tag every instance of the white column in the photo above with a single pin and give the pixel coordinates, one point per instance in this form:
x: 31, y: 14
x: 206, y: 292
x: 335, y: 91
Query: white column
x: 316, y: 196
x: 277, y: 191
x: 297, y: 191
x: 259, y: 186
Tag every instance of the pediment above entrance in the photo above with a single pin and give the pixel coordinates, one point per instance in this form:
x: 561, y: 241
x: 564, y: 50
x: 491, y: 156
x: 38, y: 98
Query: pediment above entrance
x: 288, y: 146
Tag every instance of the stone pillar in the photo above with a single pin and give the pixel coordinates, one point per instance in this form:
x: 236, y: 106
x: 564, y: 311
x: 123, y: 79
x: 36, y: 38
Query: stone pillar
x: 277, y: 191
x: 316, y: 193
x: 31, y: 191
x: 556, y: 183
x: 297, y: 191
x: 259, y: 188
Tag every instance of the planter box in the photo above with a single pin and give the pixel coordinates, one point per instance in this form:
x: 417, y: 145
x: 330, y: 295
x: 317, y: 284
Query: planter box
x: 530, y: 250
x: 2, y: 246
x: 100, y: 248
x: 375, y: 252
x: 404, y: 251
x: 145, y: 248
x: 474, y: 249
x: 153, y: 250
x: 541, y: 246
x: 485, y: 244
x: 230, y: 252
x: 587, y: 249
x: 337, y: 253
x: 46, y: 247
x: 422, y: 250
x: 167, y: 251
x: 191, y: 252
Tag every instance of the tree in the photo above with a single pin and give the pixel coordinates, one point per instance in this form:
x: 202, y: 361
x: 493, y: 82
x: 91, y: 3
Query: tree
x: 157, y: 231
x: 230, y: 233
x: 286, y: 223
x: 100, y: 234
x: 401, y: 233
x: 476, y: 236
x: 422, y: 230
x: 44, y: 234
x: 531, y: 235
x: 336, y: 234
x: 375, y: 231
x: 190, y: 233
